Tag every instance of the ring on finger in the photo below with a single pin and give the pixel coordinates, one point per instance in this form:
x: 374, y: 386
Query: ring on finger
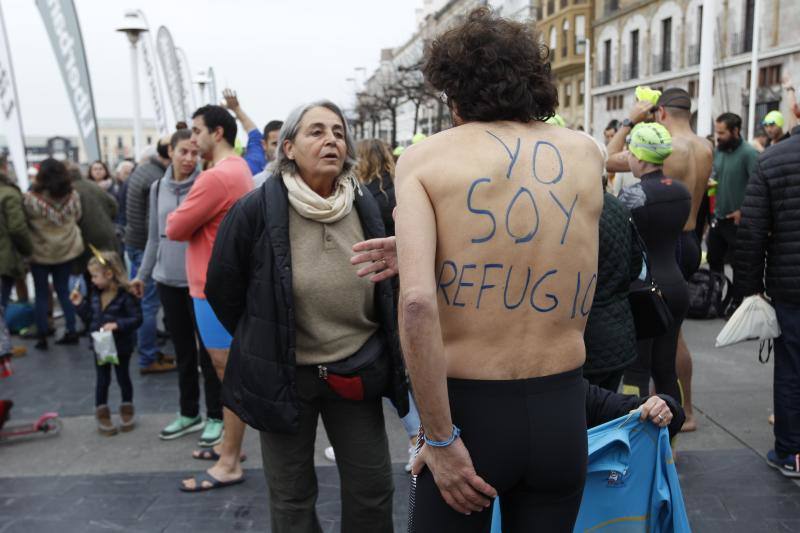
x: 661, y: 418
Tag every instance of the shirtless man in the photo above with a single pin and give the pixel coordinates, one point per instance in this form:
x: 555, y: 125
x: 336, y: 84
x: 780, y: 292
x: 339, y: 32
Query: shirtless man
x: 690, y: 163
x: 497, y: 241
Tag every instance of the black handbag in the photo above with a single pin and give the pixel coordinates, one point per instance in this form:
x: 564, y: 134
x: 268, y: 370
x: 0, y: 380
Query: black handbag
x: 651, y: 315
x: 362, y: 376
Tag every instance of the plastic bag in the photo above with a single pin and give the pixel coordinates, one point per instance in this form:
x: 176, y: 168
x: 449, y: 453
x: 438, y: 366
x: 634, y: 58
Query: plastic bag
x: 105, y: 349
x: 754, y: 319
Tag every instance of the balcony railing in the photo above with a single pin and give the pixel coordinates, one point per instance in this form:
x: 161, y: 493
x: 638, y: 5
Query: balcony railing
x: 630, y: 72
x: 693, y: 55
x: 661, y: 63
x: 739, y: 43
x: 603, y: 78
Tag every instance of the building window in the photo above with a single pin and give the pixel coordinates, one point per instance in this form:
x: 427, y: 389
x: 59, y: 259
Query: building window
x: 565, y: 38
x: 634, y: 68
x: 580, y: 34
x: 551, y: 7
x: 564, y: 3
x: 581, y: 91
x: 692, y: 90
x: 749, y: 22
x: 119, y: 142
x: 567, y: 94
x: 767, y: 76
x: 105, y: 141
x: 606, y: 74
x: 149, y: 140
x: 615, y: 103
x: 553, y: 42
x: 666, y: 44
x: 611, y: 6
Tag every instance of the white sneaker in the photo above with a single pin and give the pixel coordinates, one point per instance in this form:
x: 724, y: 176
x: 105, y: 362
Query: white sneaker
x: 329, y: 455
x: 412, y: 453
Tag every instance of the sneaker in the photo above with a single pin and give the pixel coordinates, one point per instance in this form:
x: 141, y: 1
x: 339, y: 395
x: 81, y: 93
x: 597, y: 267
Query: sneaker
x: 181, y: 426
x: 164, y: 358
x: 19, y: 351
x: 126, y: 414
x: 212, y: 434
x: 412, y: 453
x: 329, y: 454
x: 789, y: 465
x: 157, y: 367
x: 41, y: 344
x: 69, y: 338
x: 104, y: 424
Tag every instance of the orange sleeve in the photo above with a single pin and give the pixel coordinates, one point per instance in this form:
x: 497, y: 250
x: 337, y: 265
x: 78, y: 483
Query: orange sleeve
x: 201, y: 205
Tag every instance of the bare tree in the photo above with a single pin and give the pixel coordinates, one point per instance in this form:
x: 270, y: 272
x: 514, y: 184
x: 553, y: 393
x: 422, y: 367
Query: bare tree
x: 415, y: 89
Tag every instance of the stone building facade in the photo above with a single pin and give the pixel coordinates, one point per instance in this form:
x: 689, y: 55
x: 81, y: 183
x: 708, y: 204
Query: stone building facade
x: 657, y: 43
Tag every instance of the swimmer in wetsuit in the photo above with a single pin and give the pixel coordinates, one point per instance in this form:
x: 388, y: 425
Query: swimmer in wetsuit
x: 659, y: 206
x: 690, y: 163
x: 497, y: 240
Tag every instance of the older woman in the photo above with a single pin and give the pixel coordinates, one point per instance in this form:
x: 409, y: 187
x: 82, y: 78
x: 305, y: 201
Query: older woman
x: 310, y: 337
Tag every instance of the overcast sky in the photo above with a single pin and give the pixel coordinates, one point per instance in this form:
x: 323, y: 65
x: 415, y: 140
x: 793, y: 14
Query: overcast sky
x: 275, y: 53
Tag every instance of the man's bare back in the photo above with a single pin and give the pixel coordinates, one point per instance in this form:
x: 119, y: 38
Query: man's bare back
x: 516, y: 212
x: 690, y: 163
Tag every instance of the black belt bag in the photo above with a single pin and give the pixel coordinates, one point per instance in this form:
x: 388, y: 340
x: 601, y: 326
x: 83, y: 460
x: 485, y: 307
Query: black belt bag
x: 362, y: 376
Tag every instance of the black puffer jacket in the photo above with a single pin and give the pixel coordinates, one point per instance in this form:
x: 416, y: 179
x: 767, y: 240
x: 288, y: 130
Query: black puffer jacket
x: 249, y: 286
x: 770, y: 227
x: 610, y: 334
x: 124, y: 309
x: 137, y: 201
x: 382, y: 190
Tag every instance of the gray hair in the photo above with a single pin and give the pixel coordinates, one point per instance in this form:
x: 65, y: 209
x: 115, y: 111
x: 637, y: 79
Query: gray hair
x: 291, y: 127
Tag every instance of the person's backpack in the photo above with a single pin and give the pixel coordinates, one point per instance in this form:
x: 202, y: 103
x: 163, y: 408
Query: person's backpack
x: 709, y: 294
x: 19, y: 316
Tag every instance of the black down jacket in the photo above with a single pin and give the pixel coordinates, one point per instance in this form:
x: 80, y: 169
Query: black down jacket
x: 249, y: 286
x: 610, y: 334
x: 769, y: 231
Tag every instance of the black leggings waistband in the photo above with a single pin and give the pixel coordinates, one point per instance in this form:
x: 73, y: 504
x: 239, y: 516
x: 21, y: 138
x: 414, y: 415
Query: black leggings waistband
x: 518, y: 386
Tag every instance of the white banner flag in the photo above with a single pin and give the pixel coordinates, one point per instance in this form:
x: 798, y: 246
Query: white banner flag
x: 10, y: 120
x: 186, y: 78
x: 172, y: 72
x: 149, y: 60
x: 212, y: 86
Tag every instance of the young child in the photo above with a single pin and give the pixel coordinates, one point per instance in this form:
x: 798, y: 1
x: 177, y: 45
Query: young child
x: 110, y: 307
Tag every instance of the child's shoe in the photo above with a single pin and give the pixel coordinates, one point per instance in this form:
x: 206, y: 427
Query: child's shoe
x: 126, y: 414
x: 104, y: 424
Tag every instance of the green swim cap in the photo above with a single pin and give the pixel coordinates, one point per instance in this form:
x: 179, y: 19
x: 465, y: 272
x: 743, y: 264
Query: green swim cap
x: 398, y: 151
x: 556, y: 120
x: 773, y: 117
x: 418, y: 137
x: 646, y: 94
x: 651, y: 142
x: 237, y: 147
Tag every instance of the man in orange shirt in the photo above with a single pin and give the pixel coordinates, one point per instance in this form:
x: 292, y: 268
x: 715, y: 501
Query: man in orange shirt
x: 197, y: 221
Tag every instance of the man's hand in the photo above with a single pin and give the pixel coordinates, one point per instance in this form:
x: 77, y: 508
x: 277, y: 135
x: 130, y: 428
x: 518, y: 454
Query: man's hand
x: 736, y: 216
x: 137, y: 288
x: 231, y: 100
x: 461, y: 487
x: 380, y: 256
x: 657, y: 411
x: 640, y: 111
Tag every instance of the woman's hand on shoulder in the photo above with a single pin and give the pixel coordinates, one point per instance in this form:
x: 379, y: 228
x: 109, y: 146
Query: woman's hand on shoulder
x: 137, y: 288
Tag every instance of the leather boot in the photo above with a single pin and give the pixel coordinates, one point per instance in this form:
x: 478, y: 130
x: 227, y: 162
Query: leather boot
x: 104, y: 424
x: 126, y: 414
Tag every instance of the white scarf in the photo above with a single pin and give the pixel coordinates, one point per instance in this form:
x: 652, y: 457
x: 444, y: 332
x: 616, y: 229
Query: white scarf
x: 312, y: 206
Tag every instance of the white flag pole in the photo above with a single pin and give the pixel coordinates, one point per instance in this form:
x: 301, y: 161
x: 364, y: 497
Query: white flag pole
x: 705, y: 102
x: 751, y: 108
x: 10, y: 117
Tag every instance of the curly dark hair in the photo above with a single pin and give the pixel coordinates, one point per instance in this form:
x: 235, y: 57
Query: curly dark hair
x: 53, y: 177
x: 493, y: 68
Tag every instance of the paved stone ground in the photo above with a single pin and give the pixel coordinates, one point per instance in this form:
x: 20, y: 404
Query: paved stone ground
x: 79, y: 481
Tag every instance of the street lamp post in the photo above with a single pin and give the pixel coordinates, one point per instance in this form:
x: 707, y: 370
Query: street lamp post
x: 587, y: 86
x: 133, y: 27
x: 202, y: 80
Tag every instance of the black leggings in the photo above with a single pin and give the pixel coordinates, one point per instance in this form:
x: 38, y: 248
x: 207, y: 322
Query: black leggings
x: 687, y: 253
x: 104, y: 379
x: 189, y: 351
x: 527, y: 439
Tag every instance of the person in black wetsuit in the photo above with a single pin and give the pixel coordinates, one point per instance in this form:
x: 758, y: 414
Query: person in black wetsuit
x: 660, y: 207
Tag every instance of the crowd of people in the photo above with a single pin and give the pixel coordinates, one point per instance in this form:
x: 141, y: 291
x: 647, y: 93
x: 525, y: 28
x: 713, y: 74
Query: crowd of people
x: 287, y: 296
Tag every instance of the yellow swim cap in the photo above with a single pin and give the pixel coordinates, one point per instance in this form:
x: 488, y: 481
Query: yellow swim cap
x: 556, y: 120
x: 418, y: 137
x: 237, y: 147
x: 773, y: 118
x: 651, y: 142
x: 398, y: 151
x: 646, y: 94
